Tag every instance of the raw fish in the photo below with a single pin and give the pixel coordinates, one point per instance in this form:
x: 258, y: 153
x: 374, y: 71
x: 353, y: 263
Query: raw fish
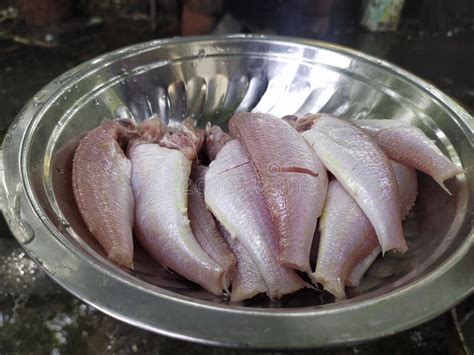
x: 364, y: 171
x: 198, y: 174
x: 160, y: 179
x: 206, y: 233
x: 247, y: 281
x: 233, y: 194
x: 408, y: 190
x: 294, y: 181
x: 216, y: 139
x: 102, y: 189
x: 410, y: 146
x: 348, y: 243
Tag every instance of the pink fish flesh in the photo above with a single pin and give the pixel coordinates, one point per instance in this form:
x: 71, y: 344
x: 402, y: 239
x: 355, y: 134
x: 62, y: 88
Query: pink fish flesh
x: 216, y: 139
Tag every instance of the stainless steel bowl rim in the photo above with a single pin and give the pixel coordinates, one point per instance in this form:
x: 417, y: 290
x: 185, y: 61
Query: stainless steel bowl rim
x: 168, y: 313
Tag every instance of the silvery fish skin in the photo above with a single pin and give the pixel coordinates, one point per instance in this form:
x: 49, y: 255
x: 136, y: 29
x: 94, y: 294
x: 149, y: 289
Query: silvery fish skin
x: 247, y: 281
x: 198, y: 174
x: 348, y: 243
x: 159, y: 179
x: 102, y: 188
x: 343, y: 227
x: 409, y: 145
x: 364, y: 171
x: 408, y: 190
x: 294, y: 181
x: 233, y: 194
x: 207, y: 234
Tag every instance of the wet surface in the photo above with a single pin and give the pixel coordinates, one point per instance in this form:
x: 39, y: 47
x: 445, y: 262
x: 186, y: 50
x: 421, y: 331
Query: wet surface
x: 38, y: 317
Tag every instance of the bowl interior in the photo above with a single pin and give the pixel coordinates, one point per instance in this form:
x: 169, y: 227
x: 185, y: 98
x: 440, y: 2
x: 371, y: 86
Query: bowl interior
x: 208, y: 82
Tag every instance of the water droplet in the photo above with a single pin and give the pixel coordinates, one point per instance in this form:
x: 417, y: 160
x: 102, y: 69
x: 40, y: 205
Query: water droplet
x: 201, y: 53
x: 63, y: 223
x: 96, y: 101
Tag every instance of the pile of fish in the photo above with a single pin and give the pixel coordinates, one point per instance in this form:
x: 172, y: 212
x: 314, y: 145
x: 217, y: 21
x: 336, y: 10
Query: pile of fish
x: 237, y: 212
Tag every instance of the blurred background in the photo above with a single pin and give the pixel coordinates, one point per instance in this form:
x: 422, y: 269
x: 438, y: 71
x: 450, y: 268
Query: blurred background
x: 40, y: 39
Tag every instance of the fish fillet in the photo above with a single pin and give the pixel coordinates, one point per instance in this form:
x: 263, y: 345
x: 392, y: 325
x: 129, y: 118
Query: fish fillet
x: 363, y: 169
x: 206, y: 233
x: 160, y: 179
x: 294, y: 181
x: 410, y: 146
x: 102, y: 188
x: 348, y: 243
x: 233, y: 194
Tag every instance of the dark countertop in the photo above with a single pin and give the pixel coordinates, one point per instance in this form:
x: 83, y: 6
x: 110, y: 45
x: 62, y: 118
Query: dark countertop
x: 38, y: 317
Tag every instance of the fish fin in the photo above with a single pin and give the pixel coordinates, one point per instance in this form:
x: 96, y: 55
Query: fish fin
x: 443, y: 186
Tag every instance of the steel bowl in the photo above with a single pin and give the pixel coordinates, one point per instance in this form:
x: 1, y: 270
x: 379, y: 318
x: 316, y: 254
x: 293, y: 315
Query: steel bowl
x: 209, y: 78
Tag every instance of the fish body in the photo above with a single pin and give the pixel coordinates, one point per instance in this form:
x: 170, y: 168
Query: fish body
x: 247, y: 281
x: 207, y: 234
x: 293, y: 179
x: 408, y: 190
x: 102, y: 188
x: 233, y: 194
x: 410, y: 146
x: 349, y: 243
x: 364, y: 171
x: 160, y: 179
